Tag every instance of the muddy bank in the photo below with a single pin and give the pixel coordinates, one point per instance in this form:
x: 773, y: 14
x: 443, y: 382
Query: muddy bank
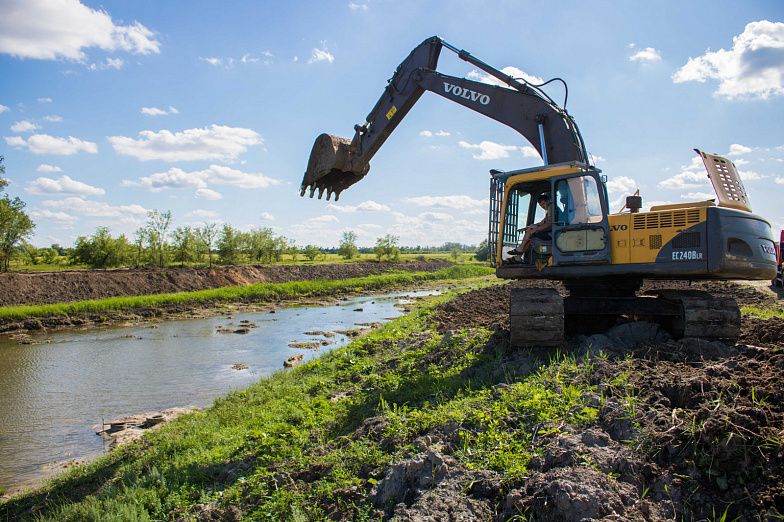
x: 79, y: 285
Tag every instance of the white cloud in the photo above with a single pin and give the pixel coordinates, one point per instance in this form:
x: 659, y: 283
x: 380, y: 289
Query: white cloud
x: 266, y: 216
x: 212, y: 60
x: 489, y: 150
x: 685, y: 180
x: 780, y: 180
x: 203, y: 214
x: 365, y: 206
x: 92, y: 208
x: 430, y: 134
x: 63, y: 185
x: 321, y: 55
x: 737, y: 149
x: 155, y: 111
x: 457, y: 202
x: 23, y: 126
x: 750, y: 175
x: 209, y: 194
x: 45, y: 100
x: 51, y: 215
x: 216, y: 142
x: 621, y: 185
x: 48, y: 30
x: 54, y: 118
x: 320, y: 221
x: 43, y: 167
x: 109, y: 63
x: 200, y: 179
x: 4, y: 108
x: 45, y: 144
x: 594, y: 158
x: 514, y: 72
x: 699, y: 196
x: 358, y: 7
x: 753, y: 68
x: 647, y: 55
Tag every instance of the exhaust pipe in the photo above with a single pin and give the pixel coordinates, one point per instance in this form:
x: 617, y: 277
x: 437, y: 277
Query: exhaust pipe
x: 331, y: 167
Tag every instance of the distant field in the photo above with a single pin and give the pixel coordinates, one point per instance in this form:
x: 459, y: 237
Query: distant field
x: 465, y: 257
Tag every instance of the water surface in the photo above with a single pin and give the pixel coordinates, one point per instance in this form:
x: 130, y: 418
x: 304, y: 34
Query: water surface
x: 52, y: 394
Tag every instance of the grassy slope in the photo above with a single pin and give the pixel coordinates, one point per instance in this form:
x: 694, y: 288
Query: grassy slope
x: 257, y: 292
x: 300, y: 422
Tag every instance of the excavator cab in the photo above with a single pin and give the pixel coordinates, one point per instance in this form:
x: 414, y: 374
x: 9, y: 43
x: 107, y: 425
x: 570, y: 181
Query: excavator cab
x: 579, y: 231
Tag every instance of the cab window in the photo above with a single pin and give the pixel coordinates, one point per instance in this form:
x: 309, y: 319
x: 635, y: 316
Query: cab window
x: 577, y: 201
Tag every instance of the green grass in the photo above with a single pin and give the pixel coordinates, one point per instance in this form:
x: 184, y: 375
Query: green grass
x: 254, y: 292
x: 773, y: 312
x: 286, y: 449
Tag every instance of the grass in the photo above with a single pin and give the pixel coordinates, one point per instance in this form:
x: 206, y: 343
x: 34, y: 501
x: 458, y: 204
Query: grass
x: 254, y: 292
x: 295, y: 446
x: 772, y: 312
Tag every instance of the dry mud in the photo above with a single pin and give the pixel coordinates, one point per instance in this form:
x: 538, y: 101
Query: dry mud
x: 687, y: 430
x: 78, y: 285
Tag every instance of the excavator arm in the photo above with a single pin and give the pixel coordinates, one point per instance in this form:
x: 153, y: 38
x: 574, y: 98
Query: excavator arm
x: 336, y: 163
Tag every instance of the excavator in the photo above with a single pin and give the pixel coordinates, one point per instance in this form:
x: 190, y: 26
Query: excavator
x: 601, y: 257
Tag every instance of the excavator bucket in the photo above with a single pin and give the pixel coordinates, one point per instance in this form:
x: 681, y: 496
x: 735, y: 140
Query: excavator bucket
x: 330, y: 167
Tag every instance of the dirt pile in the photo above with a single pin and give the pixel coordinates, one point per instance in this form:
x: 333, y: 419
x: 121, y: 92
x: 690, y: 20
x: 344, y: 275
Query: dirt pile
x: 687, y: 429
x: 77, y: 285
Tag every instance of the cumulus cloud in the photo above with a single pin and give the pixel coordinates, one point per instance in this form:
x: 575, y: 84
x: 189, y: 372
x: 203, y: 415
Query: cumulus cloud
x: 175, y: 178
x: 23, y: 126
x: 54, y: 118
x: 595, y: 158
x: 45, y: 99
x: 263, y: 57
x: 489, y: 150
x: 621, y: 185
x: 321, y: 55
x: 63, y: 185
x: 44, y: 167
x: 155, y: 111
x: 47, y: 30
x: 514, y: 72
x: 355, y: 6
x: 647, y: 55
x: 4, y: 108
x: 457, y: 202
x: 88, y: 207
x: 320, y: 221
x: 266, y: 216
x: 208, y: 194
x: 700, y: 196
x: 216, y: 142
x: 752, y: 68
x: 45, y: 144
x: 737, y: 149
x: 365, y: 206
x: 55, y: 216
x: 212, y: 60
x: 109, y: 63
x: 780, y: 180
x: 430, y: 134
x: 685, y: 180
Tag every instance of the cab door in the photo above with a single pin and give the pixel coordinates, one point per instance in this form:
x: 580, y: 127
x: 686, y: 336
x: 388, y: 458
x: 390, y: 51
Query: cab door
x: 581, y: 234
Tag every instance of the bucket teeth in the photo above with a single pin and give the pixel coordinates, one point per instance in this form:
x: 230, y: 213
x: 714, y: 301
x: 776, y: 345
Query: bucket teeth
x: 331, y: 167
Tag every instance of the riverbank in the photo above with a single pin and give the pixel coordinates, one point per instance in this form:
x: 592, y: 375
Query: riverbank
x: 434, y: 413
x: 32, y: 288
x: 143, y: 307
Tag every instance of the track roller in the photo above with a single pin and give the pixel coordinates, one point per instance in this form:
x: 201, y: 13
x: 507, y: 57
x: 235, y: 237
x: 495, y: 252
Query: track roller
x: 703, y: 315
x: 536, y: 317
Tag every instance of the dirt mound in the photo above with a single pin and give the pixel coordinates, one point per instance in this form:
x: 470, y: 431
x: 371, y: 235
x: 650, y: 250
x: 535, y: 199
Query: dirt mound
x: 78, y: 285
x: 762, y: 331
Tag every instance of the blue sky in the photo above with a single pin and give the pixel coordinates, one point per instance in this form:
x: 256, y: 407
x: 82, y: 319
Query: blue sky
x: 209, y: 109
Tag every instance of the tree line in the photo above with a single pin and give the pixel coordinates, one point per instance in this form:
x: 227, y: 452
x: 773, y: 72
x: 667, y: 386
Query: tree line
x: 159, y: 243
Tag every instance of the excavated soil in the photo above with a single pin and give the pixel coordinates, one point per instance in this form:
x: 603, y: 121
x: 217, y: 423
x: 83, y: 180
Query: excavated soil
x: 687, y: 430
x: 77, y: 285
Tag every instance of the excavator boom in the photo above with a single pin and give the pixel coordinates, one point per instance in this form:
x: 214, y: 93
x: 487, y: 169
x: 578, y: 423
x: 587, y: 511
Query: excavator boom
x: 337, y: 163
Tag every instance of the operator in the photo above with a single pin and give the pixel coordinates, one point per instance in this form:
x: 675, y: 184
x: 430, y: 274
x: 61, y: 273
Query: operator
x: 539, y: 230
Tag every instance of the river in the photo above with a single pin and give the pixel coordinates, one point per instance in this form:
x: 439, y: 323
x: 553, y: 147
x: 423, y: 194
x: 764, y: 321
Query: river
x: 53, y: 393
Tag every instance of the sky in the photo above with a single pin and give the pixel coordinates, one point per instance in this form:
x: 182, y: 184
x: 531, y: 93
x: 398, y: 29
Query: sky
x: 209, y: 109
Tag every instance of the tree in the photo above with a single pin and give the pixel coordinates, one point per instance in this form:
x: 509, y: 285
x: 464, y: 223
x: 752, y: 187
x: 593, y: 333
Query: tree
x: 348, y: 246
x: 157, y: 226
x: 311, y: 252
x: 387, y: 246
x: 229, y: 245
x: 206, y: 237
x: 455, y: 254
x: 184, y: 245
x: 101, y: 250
x: 15, y: 225
x: 483, y: 251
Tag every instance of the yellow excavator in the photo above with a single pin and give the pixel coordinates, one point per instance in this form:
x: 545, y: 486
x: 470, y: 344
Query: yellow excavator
x: 601, y: 257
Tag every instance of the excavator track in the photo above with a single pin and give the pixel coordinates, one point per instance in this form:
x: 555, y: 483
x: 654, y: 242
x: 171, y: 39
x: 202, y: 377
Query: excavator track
x: 703, y: 315
x: 536, y: 317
